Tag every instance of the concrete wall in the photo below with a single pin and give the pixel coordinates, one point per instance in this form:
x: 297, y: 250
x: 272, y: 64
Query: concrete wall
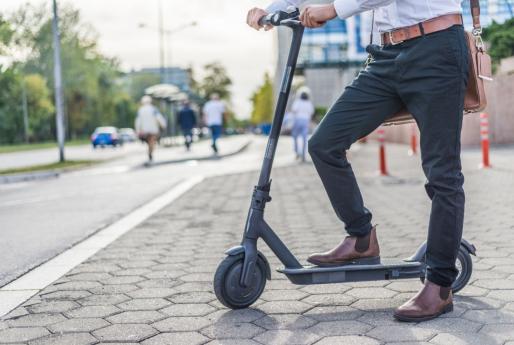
x: 500, y: 96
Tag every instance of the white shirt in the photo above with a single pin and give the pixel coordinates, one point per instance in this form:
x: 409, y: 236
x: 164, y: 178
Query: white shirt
x: 149, y: 120
x: 302, y: 109
x: 389, y: 14
x: 213, y: 111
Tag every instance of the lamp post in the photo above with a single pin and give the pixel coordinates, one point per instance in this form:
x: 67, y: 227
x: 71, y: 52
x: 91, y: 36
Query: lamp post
x: 59, y: 106
x: 165, y: 33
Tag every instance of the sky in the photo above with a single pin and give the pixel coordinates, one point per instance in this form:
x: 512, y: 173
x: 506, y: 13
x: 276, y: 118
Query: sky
x: 220, y: 35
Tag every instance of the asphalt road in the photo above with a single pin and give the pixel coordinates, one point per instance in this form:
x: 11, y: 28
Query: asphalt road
x: 40, y: 219
x: 21, y: 159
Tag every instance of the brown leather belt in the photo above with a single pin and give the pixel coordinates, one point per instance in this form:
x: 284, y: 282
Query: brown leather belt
x: 427, y: 27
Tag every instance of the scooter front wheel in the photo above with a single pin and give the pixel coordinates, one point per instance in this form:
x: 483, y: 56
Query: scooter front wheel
x: 464, y: 266
x: 228, y: 288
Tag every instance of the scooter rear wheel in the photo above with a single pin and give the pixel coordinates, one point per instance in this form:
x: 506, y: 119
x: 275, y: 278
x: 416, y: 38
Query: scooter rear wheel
x: 465, y: 266
x: 227, y: 285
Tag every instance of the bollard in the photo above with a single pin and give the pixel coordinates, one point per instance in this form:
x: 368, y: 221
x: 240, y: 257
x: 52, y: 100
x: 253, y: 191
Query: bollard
x: 413, y: 141
x: 484, y: 137
x: 382, y: 158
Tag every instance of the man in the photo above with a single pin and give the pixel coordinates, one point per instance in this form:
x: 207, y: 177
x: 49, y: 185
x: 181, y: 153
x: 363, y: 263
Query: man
x: 149, y: 122
x: 187, y: 121
x: 302, y: 111
x: 213, y: 112
x: 422, y: 65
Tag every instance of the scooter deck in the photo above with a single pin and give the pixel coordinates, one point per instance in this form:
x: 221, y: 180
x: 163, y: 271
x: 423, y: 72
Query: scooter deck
x: 386, y: 270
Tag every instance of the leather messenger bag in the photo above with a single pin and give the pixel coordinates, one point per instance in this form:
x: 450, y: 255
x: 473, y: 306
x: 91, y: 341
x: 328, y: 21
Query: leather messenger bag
x: 479, y: 71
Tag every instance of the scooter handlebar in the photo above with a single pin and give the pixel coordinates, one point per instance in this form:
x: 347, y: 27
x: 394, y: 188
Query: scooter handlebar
x: 281, y: 18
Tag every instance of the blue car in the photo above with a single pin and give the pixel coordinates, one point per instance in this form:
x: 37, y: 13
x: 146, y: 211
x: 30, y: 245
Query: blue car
x: 105, y: 136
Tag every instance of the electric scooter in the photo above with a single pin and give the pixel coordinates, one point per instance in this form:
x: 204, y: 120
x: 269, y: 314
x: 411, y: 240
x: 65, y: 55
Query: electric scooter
x: 241, y: 277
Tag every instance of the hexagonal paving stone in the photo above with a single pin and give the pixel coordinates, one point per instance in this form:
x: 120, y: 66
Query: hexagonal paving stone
x: 489, y: 316
x: 285, y: 321
x: 405, y: 286
x: 222, y: 330
x: 462, y: 339
x: 193, y: 297
x: 329, y: 299
x: 75, y: 285
x: 33, y: 320
x: 131, y: 272
x: 137, y: 264
x: 181, y: 338
x: 122, y: 280
x: 159, y: 283
x: 181, y: 324
x: 347, y: 327
x: 400, y: 333
x: 495, y: 284
x: 152, y: 293
x: 147, y: 316
x: 285, y: 307
x: 234, y: 342
x: 373, y: 292
x: 287, y: 337
x: 348, y: 340
x: 196, y: 286
x: 326, y: 289
x: 499, y: 332
x: 504, y: 295
x: 96, y: 300
x: 451, y: 325
x: 188, y: 310
x: 11, y: 335
x: 66, y: 339
x: 378, y: 304
x: 65, y: 295
x: 125, y: 332
x: 334, y: 313
x: 144, y: 304
x: 113, y: 289
x: 96, y: 276
x: 78, y: 325
x: 93, y: 311
x: 283, y: 295
x: 52, y: 306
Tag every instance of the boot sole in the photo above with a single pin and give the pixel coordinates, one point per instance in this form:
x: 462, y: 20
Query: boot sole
x: 375, y: 260
x: 446, y: 309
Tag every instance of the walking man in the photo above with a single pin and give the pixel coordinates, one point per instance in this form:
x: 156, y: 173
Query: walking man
x: 422, y: 64
x: 149, y: 123
x: 302, y: 111
x: 213, y: 112
x: 187, y: 121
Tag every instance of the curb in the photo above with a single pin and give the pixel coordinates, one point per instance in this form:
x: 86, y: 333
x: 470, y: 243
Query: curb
x: 202, y: 158
x: 43, y: 175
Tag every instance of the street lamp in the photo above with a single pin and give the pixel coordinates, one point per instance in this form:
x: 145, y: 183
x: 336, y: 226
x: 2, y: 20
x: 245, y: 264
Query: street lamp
x: 59, y: 102
x: 168, y: 33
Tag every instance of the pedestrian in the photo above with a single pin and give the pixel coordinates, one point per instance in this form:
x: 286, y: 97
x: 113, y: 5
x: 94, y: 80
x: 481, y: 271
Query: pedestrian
x: 302, y: 111
x: 149, y: 123
x: 213, y: 112
x: 421, y: 64
x: 187, y: 121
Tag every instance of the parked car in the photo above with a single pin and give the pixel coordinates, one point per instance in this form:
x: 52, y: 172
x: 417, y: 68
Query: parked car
x: 104, y: 136
x: 127, y: 135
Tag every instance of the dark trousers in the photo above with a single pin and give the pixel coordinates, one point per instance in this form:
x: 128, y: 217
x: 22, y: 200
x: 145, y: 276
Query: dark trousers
x: 215, y: 134
x: 428, y: 75
x: 188, y: 136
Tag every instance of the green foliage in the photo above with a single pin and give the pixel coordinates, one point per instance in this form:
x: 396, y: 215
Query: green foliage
x: 6, y: 34
x: 501, y: 39
x: 216, y: 80
x: 262, y: 100
x: 319, y: 114
x: 40, y: 107
x: 11, y: 118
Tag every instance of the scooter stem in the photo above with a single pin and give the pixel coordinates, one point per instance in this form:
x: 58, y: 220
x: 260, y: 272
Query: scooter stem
x: 285, y: 88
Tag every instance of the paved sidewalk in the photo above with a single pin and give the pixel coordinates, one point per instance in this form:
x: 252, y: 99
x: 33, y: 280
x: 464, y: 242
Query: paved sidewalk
x: 153, y: 285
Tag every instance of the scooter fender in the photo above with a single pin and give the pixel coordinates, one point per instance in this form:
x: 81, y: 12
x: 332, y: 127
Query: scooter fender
x: 236, y: 250
x: 419, y: 255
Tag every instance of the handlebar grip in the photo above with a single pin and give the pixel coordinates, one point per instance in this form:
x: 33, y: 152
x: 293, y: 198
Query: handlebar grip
x: 266, y: 20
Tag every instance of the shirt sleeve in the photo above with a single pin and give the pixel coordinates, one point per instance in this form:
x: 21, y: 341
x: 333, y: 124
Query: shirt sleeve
x: 348, y: 8
x: 282, y: 5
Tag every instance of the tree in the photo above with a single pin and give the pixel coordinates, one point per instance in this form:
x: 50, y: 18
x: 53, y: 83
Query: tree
x: 501, y: 39
x: 40, y: 108
x: 11, y: 118
x: 216, y: 80
x: 262, y: 100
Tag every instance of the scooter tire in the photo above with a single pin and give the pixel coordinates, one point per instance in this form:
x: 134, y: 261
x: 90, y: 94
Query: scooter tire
x: 227, y: 285
x: 466, y: 268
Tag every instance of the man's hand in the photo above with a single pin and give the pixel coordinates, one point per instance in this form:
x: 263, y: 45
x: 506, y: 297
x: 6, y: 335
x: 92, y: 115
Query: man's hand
x: 253, y: 17
x: 317, y: 15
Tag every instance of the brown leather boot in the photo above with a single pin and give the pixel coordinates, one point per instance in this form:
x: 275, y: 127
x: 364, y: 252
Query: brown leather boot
x: 352, y: 250
x: 430, y: 302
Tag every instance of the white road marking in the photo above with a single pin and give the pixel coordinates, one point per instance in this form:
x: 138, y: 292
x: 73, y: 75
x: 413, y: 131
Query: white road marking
x: 20, y: 290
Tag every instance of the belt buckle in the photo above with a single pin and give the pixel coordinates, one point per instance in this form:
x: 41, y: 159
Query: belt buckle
x: 390, y: 33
